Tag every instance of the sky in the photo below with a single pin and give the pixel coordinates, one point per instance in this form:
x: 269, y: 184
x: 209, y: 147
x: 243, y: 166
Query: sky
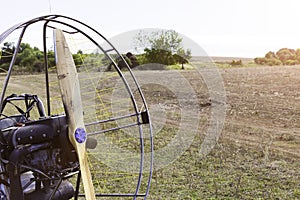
x: 230, y: 28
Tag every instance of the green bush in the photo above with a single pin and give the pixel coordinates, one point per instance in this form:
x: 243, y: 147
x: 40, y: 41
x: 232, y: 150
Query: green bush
x: 141, y: 59
x: 236, y: 63
x: 274, y: 61
x: 291, y: 62
x: 283, y: 56
x: 260, y: 61
x: 286, y: 54
x: 267, y: 61
x: 160, y: 56
x: 4, y: 67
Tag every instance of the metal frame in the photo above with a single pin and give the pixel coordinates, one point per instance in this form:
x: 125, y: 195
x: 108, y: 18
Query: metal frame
x: 73, y: 24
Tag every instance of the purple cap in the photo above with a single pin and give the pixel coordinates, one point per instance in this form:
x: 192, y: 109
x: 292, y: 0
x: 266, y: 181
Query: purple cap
x: 80, y: 135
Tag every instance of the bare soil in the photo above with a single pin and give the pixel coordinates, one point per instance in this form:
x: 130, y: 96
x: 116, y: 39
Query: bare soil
x: 264, y: 107
x: 262, y: 103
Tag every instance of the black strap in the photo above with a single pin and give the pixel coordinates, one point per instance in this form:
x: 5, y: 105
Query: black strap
x: 30, y: 102
x: 17, y: 107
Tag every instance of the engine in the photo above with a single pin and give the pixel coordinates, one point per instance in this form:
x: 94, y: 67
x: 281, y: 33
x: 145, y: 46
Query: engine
x: 42, y: 148
x: 36, y: 156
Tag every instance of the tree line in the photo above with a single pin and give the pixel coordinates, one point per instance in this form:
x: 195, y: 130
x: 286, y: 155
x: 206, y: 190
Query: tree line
x: 30, y: 59
x: 284, y: 56
x: 163, y: 47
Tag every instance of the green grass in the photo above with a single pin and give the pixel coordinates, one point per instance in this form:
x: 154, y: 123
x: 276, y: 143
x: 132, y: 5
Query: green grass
x: 229, y: 172
x: 228, y: 65
x: 179, y: 67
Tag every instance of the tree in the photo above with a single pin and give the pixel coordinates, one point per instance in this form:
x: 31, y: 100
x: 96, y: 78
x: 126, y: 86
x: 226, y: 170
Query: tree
x: 164, y: 47
x: 270, y: 54
x: 283, y: 56
x: 159, y: 56
x: 267, y: 61
x: 6, y: 54
x: 183, y: 56
x: 51, y: 58
x: 168, y: 40
x: 79, y: 58
x: 28, y: 58
x: 286, y: 54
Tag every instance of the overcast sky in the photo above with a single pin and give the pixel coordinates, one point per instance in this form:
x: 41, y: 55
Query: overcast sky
x: 243, y: 28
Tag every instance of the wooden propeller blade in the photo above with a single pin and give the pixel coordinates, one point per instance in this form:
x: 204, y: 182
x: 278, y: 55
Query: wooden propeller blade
x: 70, y: 91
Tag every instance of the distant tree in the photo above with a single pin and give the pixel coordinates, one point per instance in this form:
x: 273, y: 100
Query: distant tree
x: 6, y: 54
x: 123, y: 61
x: 236, y: 63
x: 267, y: 61
x: 28, y: 58
x: 51, y: 58
x: 182, y: 56
x: 27, y: 46
x: 164, y: 47
x: 168, y: 40
x: 159, y: 56
x: 259, y: 60
x: 79, y: 58
x: 93, y: 61
x: 119, y: 61
x: 133, y: 59
x: 283, y: 56
x: 270, y: 54
x: 286, y: 54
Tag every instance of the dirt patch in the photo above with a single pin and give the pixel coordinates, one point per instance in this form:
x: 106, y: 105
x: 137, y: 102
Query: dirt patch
x: 264, y: 107
x: 262, y: 103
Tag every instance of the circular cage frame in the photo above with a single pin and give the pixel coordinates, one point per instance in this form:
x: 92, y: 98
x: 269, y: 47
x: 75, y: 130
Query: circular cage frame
x: 77, y: 26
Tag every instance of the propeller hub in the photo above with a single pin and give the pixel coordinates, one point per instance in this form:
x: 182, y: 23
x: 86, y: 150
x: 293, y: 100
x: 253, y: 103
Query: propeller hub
x: 80, y: 135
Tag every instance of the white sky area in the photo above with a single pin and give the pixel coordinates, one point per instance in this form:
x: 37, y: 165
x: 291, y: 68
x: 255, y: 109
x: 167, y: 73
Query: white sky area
x: 237, y: 28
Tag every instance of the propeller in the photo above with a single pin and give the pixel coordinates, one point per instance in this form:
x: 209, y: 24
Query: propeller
x: 70, y: 91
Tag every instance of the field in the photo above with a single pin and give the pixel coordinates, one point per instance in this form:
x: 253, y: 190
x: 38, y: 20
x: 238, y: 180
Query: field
x: 257, y: 154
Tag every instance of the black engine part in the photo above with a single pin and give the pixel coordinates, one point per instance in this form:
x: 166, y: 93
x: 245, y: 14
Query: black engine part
x: 64, y: 192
